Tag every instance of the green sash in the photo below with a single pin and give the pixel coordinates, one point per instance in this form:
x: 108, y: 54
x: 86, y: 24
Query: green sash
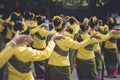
x: 70, y: 31
x: 39, y: 36
x: 79, y: 39
x: 112, y: 40
x: 22, y: 67
x: 61, y: 51
x: 57, y: 49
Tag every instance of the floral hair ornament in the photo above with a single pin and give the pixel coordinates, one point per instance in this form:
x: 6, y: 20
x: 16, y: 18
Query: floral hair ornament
x: 112, y: 20
x: 22, y: 29
x: 59, y: 20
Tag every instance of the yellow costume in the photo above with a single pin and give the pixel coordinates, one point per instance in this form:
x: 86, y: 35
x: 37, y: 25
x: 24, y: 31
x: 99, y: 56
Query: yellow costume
x: 26, y: 54
x: 65, y: 44
x: 73, y: 29
x: 93, y: 40
x: 5, y: 55
x: 40, y: 35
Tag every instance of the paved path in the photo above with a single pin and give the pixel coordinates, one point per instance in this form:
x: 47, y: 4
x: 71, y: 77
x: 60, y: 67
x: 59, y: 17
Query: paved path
x: 74, y: 76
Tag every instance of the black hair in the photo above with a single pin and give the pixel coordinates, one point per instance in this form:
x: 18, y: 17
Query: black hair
x: 72, y: 20
x: 57, y: 22
x: 40, y: 20
x: 20, y: 18
x: 83, y: 27
x: 19, y: 26
x: 93, y: 23
x: 27, y: 15
x: 14, y: 17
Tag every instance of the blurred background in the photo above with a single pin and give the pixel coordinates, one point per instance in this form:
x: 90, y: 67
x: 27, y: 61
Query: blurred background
x: 78, y: 8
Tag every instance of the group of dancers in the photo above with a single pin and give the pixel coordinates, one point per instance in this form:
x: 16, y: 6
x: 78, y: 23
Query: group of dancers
x: 33, y: 49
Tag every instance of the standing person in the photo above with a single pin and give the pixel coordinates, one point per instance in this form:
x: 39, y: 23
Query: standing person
x: 118, y: 41
x: 103, y: 29
x: 6, y: 34
x: 110, y: 53
x: 40, y: 34
x: 94, y: 24
x: 58, y: 64
x: 19, y: 66
x: 1, y: 44
x: 73, y: 28
x: 4, y: 54
x: 85, y: 63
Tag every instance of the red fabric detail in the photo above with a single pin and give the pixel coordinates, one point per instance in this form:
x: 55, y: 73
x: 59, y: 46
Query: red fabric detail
x: 39, y: 76
x: 99, y: 79
x: 17, y: 3
x: 115, y: 72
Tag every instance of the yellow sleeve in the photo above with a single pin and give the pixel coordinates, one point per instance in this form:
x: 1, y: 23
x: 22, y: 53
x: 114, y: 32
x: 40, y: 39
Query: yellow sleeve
x: 76, y: 29
x: 76, y: 45
x: 67, y: 34
x: 34, y: 30
x: 116, y: 36
x: 52, y: 31
x: 103, y: 38
x: 34, y: 24
x: 1, y: 28
x: 5, y: 55
x: 44, y: 32
x: 28, y: 54
x: 9, y: 33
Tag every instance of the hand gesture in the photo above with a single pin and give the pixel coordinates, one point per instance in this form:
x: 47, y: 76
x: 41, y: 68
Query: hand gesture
x: 21, y: 39
x: 95, y: 36
x: 57, y: 36
x: 114, y: 31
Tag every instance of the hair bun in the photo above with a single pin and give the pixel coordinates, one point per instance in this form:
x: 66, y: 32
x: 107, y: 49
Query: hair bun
x: 56, y: 22
x: 40, y: 19
x: 72, y: 20
x: 83, y: 27
x: 18, y: 26
x: 21, y: 26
